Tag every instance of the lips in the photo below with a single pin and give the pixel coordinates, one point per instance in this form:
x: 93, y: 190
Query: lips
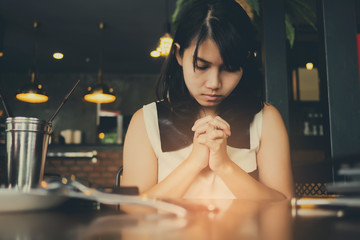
x: 211, y: 97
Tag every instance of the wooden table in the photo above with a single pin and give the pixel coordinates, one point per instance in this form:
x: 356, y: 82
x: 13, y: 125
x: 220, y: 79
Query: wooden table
x: 207, y: 220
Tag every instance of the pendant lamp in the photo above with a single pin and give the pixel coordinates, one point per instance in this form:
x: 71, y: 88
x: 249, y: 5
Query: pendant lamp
x: 33, y: 93
x: 100, y: 93
x: 164, y: 47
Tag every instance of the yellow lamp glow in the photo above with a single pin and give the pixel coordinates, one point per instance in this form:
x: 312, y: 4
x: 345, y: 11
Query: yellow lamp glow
x: 155, y: 54
x: 101, y: 135
x: 32, y: 93
x: 58, y: 55
x: 32, y: 97
x: 100, y: 93
x: 100, y: 98
x: 1, y: 54
x: 309, y: 66
x: 164, y: 46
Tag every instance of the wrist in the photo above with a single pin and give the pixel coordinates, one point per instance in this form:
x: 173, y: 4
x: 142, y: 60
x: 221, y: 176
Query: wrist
x: 222, y: 168
x: 195, y: 164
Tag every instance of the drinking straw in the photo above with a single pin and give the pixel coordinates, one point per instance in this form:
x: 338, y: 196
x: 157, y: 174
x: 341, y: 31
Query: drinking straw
x: 64, y: 100
x: 4, y: 104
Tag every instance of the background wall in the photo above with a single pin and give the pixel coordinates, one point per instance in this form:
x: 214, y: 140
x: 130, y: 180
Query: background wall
x: 132, y: 92
x: 100, y: 173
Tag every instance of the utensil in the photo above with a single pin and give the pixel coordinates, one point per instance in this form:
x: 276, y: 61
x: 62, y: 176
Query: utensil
x: 111, y: 198
x: 27, y: 140
x: 63, y: 102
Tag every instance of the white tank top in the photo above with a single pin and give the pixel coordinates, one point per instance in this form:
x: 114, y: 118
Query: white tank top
x: 207, y: 184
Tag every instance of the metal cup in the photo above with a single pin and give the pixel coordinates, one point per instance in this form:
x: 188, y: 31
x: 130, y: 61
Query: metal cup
x: 27, y: 140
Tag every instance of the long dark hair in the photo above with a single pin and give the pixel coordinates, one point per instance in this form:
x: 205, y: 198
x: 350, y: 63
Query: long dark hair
x: 225, y: 22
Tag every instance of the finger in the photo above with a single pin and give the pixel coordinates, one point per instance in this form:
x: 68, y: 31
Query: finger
x: 222, y: 120
x: 202, y: 129
x: 202, y: 139
x: 213, y: 145
x: 216, y: 134
x: 201, y: 121
x: 221, y: 124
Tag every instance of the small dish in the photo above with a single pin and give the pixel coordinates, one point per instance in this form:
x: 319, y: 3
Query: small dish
x: 36, y: 199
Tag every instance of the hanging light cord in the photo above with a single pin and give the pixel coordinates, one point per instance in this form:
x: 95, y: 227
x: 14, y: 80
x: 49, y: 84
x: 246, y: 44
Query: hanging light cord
x: 35, y: 51
x: 167, y: 23
x: 101, y: 52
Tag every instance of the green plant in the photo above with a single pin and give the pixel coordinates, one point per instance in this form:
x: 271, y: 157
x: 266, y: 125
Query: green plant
x: 293, y: 9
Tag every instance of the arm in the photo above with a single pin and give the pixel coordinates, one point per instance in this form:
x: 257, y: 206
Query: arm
x: 274, y: 154
x: 275, y: 179
x: 140, y: 164
x: 139, y: 159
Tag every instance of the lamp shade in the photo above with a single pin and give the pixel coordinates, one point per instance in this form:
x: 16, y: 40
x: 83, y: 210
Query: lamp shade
x: 32, y: 93
x: 100, y: 93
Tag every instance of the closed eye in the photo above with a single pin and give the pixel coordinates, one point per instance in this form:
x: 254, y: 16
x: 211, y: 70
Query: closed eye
x: 202, y: 67
x: 202, y: 64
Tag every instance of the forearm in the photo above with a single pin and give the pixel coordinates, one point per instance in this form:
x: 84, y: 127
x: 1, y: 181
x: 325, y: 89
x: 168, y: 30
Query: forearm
x: 176, y: 183
x: 242, y: 185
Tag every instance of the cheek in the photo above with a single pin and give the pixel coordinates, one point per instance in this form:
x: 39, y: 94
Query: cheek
x: 232, y: 81
x: 230, y: 86
x: 190, y: 79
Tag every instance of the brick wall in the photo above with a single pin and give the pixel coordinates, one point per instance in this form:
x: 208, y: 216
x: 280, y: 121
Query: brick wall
x: 98, y: 173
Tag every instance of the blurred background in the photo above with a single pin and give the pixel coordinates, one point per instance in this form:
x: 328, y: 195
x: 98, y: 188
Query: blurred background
x: 117, y: 38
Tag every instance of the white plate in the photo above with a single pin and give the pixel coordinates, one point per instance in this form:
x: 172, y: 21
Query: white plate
x: 35, y: 199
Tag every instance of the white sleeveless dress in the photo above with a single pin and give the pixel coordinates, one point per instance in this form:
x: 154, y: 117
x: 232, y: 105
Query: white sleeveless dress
x: 207, y: 185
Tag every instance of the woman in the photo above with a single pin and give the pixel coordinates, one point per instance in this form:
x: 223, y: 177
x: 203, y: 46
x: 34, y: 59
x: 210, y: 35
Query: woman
x: 211, y: 135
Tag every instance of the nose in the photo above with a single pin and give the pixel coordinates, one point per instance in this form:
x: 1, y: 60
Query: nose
x: 213, y: 81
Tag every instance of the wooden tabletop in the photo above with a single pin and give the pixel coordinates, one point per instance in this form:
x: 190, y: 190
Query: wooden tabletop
x: 206, y: 219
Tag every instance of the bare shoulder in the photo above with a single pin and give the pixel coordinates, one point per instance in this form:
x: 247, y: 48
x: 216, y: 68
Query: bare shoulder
x: 137, y: 120
x: 270, y: 113
x: 135, y: 130
x: 138, y: 116
x: 272, y: 121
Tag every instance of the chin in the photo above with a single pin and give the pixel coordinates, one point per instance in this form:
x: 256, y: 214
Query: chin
x: 208, y: 104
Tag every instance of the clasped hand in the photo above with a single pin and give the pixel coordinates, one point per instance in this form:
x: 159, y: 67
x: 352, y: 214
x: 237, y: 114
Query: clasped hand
x: 210, y: 141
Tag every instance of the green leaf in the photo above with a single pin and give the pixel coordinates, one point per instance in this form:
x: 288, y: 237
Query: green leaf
x: 302, y: 5
x: 290, y: 30
x: 255, y: 5
x: 302, y: 9
x: 180, y: 6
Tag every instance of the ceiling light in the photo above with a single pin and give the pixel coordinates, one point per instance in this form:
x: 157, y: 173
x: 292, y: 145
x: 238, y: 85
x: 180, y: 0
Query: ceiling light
x: 155, y: 53
x: 33, y: 93
x: 100, y: 93
x: 58, y: 55
x: 166, y: 40
x: 164, y: 46
x: 309, y: 66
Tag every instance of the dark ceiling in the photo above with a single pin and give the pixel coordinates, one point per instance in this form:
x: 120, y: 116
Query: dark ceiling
x: 131, y: 30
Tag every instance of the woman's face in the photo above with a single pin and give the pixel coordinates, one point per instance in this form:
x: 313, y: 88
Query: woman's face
x: 211, y: 82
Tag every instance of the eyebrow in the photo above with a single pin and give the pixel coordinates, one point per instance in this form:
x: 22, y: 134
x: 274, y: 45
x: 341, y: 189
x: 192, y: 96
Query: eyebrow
x: 203, y: 60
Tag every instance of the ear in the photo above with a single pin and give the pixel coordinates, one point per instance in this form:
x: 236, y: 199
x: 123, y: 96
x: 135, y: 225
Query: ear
x: 177, y: 54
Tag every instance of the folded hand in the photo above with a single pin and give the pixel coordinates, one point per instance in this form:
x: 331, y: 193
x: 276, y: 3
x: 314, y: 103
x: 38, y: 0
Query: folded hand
x: 213, y: 132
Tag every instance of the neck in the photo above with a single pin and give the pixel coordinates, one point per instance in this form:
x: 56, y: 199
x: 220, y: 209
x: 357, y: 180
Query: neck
x: 207, y: 112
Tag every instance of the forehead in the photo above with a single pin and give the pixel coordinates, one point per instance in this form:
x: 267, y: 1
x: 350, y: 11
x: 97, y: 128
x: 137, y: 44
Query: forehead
x: 207, y: 50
